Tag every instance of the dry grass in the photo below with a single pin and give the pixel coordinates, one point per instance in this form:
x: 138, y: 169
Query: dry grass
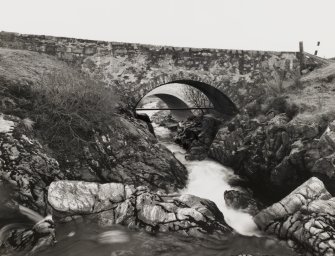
x: 63, y: 105
x: 69, y: 105
x: 316, y: 91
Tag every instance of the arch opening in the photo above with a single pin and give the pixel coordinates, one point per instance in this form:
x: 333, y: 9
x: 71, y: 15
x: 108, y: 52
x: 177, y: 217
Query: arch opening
x: 219, y: 102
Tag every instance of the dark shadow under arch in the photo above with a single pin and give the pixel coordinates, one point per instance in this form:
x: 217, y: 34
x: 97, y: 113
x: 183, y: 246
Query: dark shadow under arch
x: 221, y: 102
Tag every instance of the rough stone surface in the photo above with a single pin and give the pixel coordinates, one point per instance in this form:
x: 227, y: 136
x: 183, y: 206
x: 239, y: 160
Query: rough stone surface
x: 241, y: 201
x: 306, y: 216
x: 136, y: 69
x: 15, y: 239
x: 276, y: 154
x: 127, y: 152
x: 115, y: 203
x: 196, y: 135
x: 25, y: 165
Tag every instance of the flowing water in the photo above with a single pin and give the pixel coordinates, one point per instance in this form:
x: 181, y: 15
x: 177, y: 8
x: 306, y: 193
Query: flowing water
x: 207, y: 179
x: 92, y: 240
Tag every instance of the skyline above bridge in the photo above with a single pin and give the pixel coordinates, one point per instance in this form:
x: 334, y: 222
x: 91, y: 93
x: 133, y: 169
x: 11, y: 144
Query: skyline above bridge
x: 222, y: 24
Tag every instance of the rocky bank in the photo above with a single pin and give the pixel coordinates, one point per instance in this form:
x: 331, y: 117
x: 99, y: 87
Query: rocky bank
x: 116, y: 203
x: 121, y: 150
x: 305, y: 218
x: 277, y: 154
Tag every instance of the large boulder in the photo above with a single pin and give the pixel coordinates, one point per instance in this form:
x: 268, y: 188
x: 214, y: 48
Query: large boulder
x: 242, y: 201
x: 127, y: 152
x: 305, y: 217
x: 115, y: 203
x: 197, y: 134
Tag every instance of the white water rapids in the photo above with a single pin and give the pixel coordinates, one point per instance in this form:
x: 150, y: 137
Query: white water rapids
x: 207, y: 179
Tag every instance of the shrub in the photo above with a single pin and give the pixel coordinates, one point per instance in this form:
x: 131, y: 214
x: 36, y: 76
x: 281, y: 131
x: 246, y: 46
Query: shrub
x: 68, y: 106
x: 64, y: 105
x: 254, y: 108
x: 197, y: 98
x: 281, y: 105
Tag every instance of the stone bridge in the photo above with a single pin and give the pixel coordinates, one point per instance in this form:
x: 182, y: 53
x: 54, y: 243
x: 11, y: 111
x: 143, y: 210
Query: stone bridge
x: 230, y: 78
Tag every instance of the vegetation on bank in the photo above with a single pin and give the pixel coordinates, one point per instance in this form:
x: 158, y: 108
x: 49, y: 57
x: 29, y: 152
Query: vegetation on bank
x: 64, y: 105
x: 310, y: 95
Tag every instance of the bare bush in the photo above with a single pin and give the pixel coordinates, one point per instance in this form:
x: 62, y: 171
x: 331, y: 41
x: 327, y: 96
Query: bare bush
x: 281, y: 105
x: 197, y: 98
x: 68, y: 105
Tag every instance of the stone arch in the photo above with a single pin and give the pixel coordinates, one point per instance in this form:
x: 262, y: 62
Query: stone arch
x: 221, y: 102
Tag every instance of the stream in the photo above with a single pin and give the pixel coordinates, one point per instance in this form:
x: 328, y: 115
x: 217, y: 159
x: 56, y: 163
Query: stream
x: 207, y: 179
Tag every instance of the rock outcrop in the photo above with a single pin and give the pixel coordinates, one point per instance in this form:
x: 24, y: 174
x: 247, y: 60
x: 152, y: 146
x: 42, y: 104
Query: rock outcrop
x: 115, y: 203
x: 128, y: 153
x: 196, y: 135
x: 25, y: 164
x: 305, y: 217
x: 242, y: 201
x: 132, y: 156
x: 277, y: 154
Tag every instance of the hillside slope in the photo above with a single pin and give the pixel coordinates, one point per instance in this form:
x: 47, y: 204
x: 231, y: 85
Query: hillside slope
x: 55, y: 133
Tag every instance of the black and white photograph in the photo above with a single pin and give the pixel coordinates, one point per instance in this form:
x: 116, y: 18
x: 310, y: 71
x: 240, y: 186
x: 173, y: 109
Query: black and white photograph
x: 167, y: 128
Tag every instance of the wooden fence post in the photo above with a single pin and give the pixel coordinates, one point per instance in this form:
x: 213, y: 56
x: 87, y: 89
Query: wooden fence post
x: 302, y: 55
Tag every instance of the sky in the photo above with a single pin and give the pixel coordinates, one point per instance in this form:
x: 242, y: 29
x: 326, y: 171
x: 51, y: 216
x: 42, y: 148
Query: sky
x: 276, y: 25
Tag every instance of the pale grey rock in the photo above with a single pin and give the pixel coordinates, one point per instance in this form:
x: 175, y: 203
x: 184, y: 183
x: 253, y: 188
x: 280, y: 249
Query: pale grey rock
x: 306, y: 217
x: 115, y: 203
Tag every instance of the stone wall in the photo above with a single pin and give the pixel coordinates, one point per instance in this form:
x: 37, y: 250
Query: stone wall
x: 135, y: 69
